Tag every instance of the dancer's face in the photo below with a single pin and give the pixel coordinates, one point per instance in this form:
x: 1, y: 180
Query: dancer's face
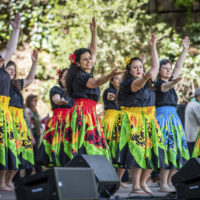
x: 116, y: 80
x: 85, y: 62
x: 11, y: 71
x: 62, y: 80
x: 136, y: 69
x: 165, y: 71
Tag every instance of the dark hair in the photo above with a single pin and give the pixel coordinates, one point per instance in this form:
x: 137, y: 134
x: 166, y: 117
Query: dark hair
x: 29, y: 99
x: 62, y: 72
x: 164, y: 62
x: 110, y: 84
x: 74, y: 69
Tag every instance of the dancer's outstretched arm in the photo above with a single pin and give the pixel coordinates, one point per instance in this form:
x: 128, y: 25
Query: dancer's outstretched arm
x: 139, y: 83
x: 12, y: 44
x: 167, y: 86
x: 96, y: 82
x: 58, y: 100
x: 181, y: 59
x: 29, y: 79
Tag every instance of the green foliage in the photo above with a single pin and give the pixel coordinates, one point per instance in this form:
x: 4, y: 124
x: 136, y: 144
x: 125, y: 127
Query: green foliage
x: 193, y: 30
x: 58, y: 27
x: 185, y: 3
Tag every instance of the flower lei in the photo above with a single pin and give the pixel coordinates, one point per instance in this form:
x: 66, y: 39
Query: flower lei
x: 72, y: 57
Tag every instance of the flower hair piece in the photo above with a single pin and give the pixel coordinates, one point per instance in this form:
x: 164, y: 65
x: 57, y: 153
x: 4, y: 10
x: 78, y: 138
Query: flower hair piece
x: 127, y: 60
x: 59, y: 72
x: 72, y: 57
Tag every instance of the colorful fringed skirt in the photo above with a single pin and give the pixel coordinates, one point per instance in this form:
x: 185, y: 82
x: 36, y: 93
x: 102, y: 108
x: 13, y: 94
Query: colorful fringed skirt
x: 23, y: 138
x: 54, y: 147
x: 108, y: 123
x: 70, y: 132
x: 174, y: 136
x: 196, y: 151
x: 140, y: 141
x: 87, y: 132
x: 8, y: 149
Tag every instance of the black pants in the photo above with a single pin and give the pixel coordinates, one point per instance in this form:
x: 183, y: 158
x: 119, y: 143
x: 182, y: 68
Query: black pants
x: 38, y: 168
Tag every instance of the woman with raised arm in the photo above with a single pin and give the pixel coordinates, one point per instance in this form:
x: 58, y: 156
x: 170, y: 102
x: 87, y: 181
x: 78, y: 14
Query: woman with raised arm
x: 16, y: 108
x: 87, y: 135
x: 168, y: 119
x: 8, y: 152
x: 53, y: 149
x: 141, y: 146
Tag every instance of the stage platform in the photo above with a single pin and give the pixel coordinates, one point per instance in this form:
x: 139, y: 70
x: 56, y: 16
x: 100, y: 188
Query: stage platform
x: 122, y: 194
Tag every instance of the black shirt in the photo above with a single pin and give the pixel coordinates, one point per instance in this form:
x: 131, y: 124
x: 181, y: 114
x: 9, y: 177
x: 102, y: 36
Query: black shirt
x: 110, y: 104
x: 168, y: 98
x: 142, y: 98
x: 16, y: 98
x: 79, y: 89
x: 4, y: 82
x: 56, y: 90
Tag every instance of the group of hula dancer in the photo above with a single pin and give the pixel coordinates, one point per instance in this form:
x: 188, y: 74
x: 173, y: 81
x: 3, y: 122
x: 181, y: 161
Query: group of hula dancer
x: 140, y: 131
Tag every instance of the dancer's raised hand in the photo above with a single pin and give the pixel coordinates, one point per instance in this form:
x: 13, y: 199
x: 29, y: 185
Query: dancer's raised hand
x: 17, y: 22
x: 186, y: 42
x: 152, y: 41
x: 93, y: 25
x: 34, y: 56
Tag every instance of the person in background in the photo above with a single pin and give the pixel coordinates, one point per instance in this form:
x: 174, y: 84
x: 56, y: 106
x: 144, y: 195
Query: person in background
x: 192, y: 124
x: 52, y: 150
x: 33, y: 120
x: 112, y: 108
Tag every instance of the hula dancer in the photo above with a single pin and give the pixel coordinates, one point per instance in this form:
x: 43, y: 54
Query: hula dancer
x: 168, y: 119
x: 53, y: 150
x: 141, y: 144
x: 8, y: 153
x: 16, y: 108
x: 112, y: 108
x: 87, y: 133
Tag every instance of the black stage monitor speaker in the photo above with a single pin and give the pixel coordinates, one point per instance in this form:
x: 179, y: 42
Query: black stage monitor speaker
x: 58, y: 184
x: 107, y: 179
x: 187, y: 180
